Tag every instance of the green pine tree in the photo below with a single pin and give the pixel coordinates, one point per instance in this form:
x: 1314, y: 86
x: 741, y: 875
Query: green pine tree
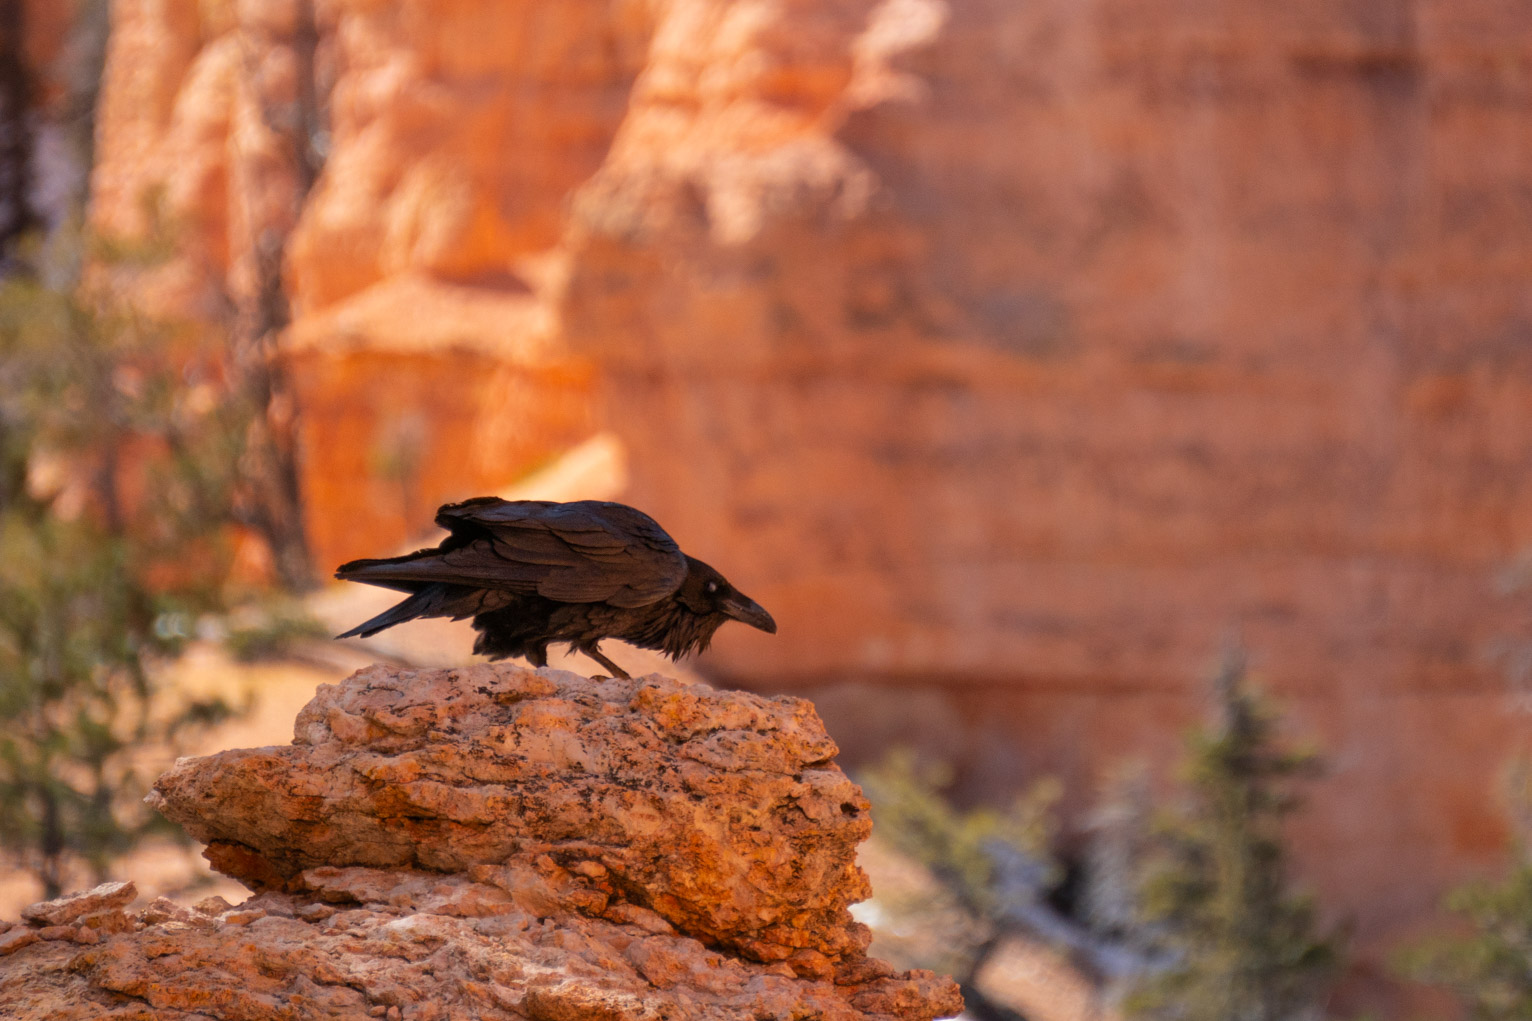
x: 116, y: 467
x: 995, y: 862
x: 1490, y: 968
x: 961, y: 845
x: 1241, y: 946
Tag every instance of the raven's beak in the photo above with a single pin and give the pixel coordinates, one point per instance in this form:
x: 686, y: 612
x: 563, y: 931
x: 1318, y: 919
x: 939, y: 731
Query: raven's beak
x: 747, y: 611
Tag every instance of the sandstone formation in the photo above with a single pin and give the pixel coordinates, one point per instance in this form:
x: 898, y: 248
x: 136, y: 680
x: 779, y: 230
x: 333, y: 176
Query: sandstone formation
x: 724, y: 810
x: 1018, y: 355
x: 417, y: 262
x: 1024, y: 355
x: 500, y: 843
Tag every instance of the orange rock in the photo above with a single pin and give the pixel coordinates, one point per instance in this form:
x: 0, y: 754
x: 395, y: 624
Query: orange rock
x: 14, y: 939
x: 421, y: 266
x: 417, y: 392
x: 68, y: 910
x: 457, y: 132
x: 721, y: 811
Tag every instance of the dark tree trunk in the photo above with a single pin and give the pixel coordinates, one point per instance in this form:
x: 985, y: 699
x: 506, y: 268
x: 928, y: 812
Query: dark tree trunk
x: 16, y: 213
x: 274, y: 505
x: 51, y: 844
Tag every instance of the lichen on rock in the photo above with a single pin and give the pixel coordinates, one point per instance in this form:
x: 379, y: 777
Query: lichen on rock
x: 498, y: 842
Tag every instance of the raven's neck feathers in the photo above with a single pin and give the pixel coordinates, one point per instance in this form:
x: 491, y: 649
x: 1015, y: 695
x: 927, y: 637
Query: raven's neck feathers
x: 675, y: 630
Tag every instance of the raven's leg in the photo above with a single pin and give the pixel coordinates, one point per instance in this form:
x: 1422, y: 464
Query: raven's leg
x: 594, y: 652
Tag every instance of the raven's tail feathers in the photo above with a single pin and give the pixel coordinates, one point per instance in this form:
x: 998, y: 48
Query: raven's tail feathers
x: 428, y: 602
x: 390, y: 568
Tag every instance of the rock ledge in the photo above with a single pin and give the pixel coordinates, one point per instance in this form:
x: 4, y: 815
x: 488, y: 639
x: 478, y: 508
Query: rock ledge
x: 496, y: 842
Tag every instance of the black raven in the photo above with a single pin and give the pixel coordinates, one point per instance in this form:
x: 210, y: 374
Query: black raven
x: 532, y: 572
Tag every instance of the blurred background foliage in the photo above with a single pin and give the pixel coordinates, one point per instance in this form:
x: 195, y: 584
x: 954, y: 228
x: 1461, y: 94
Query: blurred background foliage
x: 1488, y: 962
x: 119, y: 448
x: 1239, y: 945
x: 995, y: 863
x: 1184, y: 910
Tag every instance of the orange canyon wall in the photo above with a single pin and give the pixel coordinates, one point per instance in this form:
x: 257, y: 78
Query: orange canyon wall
x: 1017, y: 356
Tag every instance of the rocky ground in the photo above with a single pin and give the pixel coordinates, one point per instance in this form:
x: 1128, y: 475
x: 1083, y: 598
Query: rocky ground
x: 496, y: 842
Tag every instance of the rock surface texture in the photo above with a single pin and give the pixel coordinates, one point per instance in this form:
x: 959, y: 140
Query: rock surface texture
x: 500, y: 843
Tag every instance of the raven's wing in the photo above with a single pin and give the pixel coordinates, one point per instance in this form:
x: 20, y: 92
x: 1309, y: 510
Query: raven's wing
x: 582, y: 552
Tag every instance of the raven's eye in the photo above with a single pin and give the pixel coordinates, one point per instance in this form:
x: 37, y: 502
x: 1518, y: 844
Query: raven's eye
x: 710, y: 587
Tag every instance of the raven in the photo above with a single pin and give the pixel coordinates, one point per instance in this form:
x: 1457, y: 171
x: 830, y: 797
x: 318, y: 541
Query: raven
x: 533, y: 572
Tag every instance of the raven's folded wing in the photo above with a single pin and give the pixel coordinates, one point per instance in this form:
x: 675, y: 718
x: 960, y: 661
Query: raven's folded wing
x: 581, y: 552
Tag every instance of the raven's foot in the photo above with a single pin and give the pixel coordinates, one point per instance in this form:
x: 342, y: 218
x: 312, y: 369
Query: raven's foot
x: 594, y: 653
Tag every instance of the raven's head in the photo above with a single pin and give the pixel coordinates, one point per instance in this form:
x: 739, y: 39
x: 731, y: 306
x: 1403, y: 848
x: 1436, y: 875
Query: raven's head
x: 707, y: 593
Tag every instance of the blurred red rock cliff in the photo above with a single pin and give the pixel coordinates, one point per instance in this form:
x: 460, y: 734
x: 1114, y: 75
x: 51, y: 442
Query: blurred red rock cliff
x: 1016, y: 356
